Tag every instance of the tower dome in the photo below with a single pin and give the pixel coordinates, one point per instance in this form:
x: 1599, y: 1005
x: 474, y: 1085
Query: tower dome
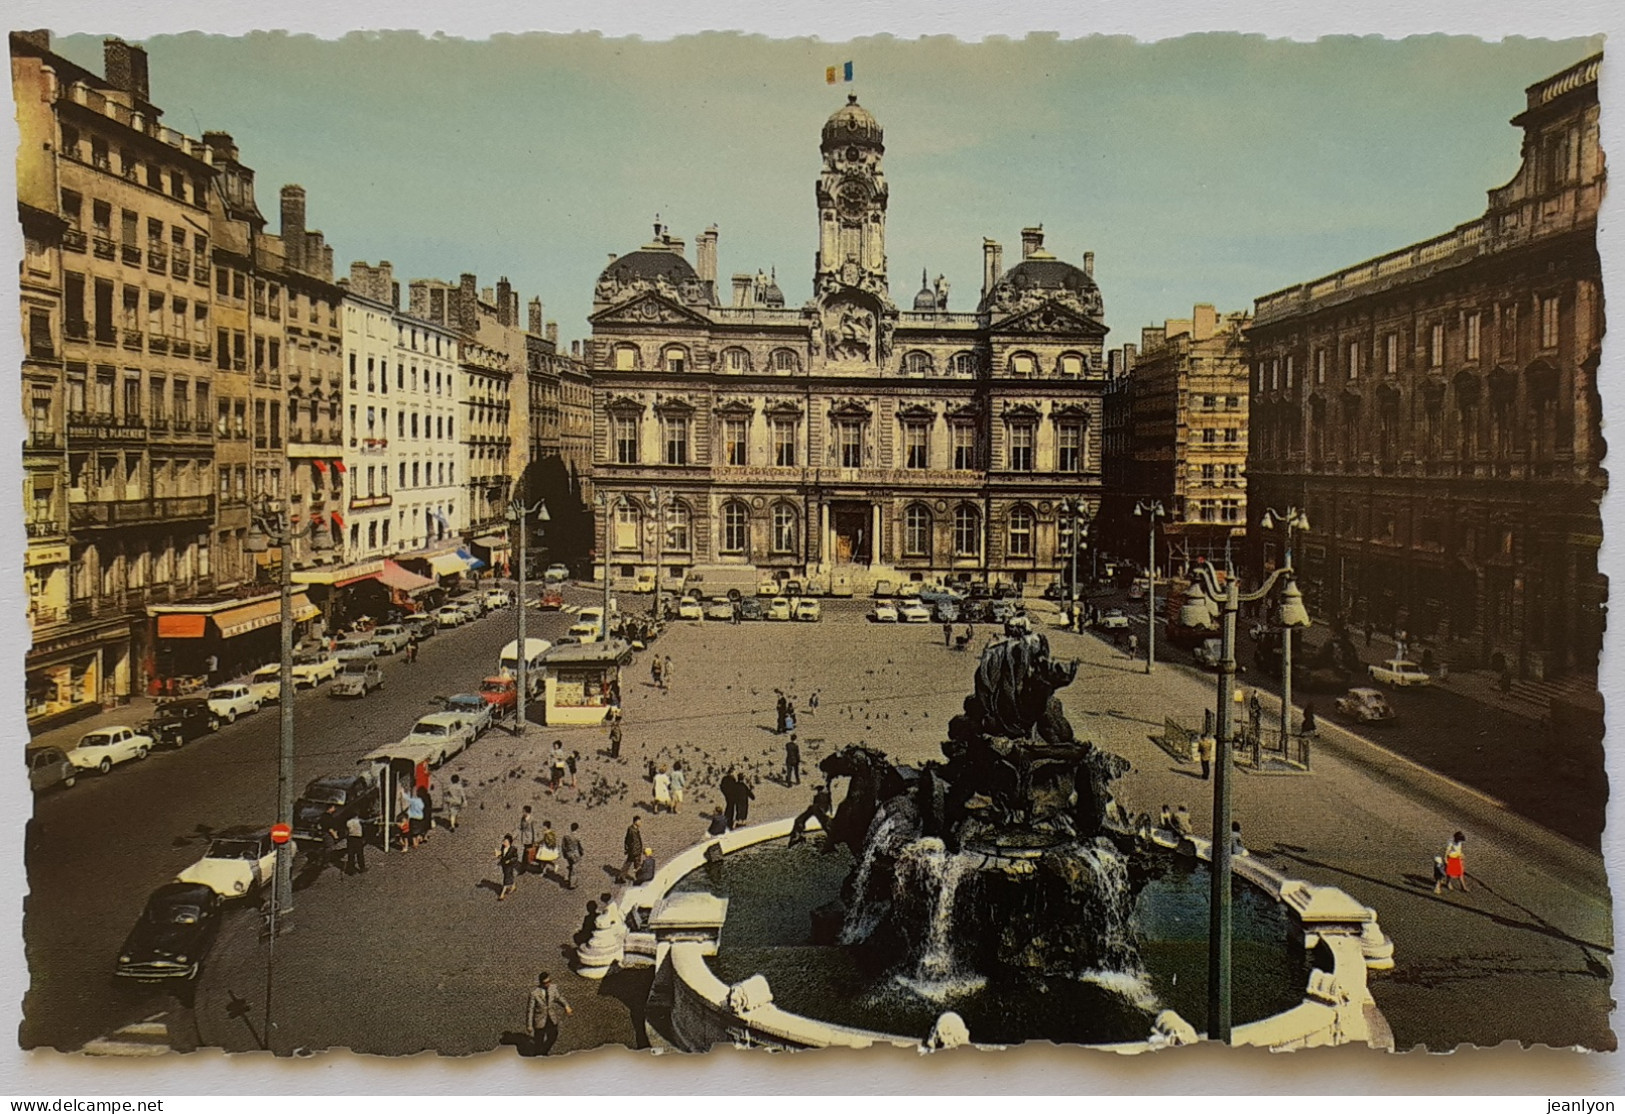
x: 925, y: 301
x: 852, y: 125
x: 772, y: 296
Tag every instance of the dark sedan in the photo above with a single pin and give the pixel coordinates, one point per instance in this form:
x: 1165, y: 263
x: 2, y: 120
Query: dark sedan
x: 173, y: 935
x: 348, y: 793
x: 178, y: 722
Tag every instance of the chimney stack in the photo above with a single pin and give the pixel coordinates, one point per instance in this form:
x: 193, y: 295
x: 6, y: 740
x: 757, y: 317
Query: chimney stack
x: 504, y: 301
x: 293, y: 225
x: 223, y: 146
x: 553, y: 334
x: 1032, y: 240
x: 575, y: 349
x: 468, y: 306
x: 992, y: 264
x: 535, y: 317
x: 743, y: 285
x: 1204, y: 322
x: 705, y: 255
x: 1089, y: 264
x: 126, y: 66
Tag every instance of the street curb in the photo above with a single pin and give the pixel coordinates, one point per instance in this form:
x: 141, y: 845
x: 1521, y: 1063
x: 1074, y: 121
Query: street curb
x: 1539, y: 845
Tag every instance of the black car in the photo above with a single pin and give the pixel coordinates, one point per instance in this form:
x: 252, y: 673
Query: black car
x: 750, y: 609
x: 974, y: 611
x: 178, y: 722
x: 420, y: 627
x: 351, y: 794
x: 173, y: 935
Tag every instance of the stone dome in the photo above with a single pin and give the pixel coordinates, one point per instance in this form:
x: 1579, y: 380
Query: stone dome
x: 852, y: 125
x: 925, y: 301
x: 649, y: 265
x: 771, y: 295
x: 1042, y: 275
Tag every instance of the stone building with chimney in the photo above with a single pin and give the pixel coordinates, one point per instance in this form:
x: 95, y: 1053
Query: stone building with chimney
x: 847, y: 440
x: 1435, y: 410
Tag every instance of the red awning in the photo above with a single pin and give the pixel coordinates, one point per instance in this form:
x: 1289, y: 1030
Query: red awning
x: 394, y: 576
x: 180, y: 626
x: 338, y: 520
x: 319, y: 465
x: 316, y: 518
x: 355, y: 580
x: 338, y: 466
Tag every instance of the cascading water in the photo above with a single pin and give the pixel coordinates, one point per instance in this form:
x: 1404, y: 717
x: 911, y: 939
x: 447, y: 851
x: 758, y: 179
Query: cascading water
x: 863, y: 914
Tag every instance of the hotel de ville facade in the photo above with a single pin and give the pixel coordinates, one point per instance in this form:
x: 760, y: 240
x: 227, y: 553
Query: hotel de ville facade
x: 850, y: 439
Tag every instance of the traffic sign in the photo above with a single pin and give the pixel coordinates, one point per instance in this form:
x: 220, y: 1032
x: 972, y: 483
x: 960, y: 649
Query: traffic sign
x: 281, y: 833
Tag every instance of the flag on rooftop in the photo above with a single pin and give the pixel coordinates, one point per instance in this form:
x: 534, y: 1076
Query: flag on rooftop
x: 832, y: 74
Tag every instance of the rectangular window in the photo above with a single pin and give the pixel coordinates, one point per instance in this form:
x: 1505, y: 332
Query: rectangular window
x: 849, y: 438
x: 1435, y: 347
x: 1354, y: 359
x: 1320, y: 365
x: 676, y: 438
x: 1021, y: 448
x: 1209, y: 471
x: 733, y: 441
x: 784, y: 442
x: 1275, y: 375
x: 1548, y: 322
x: 1470, y: 326
x: 1390, y: 350
x: 1232, y: 436
x: 625, y: 427
x: 964, y: 446
x: 916, y: 446
x: 1069, y: 445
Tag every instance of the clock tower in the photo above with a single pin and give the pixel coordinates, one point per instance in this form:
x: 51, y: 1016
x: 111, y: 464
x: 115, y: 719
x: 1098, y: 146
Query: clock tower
x: 849, y: 272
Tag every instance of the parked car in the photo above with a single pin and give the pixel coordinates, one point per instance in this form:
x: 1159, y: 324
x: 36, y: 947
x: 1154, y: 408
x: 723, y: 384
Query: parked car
x: 945, y: 611
x: 358, y: 643
x: 502, y: 694
x: 230, y: 701
x: 973, y: 611
x: 1002, y: 610
x: 421, y: 626
x: 884, y: 611
x: 266, y: 684
x: 475, y: 710
x: 448, y: 732
x: 884, y: 589
x: 311, y: 669
x: 556, y: 572
x: 106, y: 747
x: 176, y: 930
x: 237, y: 863
x: 913, y: 612
x: 49, y: 766
x: 932, y: 594
x: 472, y: 607
x: 690, y: 609
x: 1208, y: 653
x: 177, y: 722
x: 351, y: 794
x: 720, y: 608
x: 1365, y: 706
x: 1113, y: 620
x: 767, y: 586
x: 358, y: 678
x: 778, y: 609
x: 497, y: 597
x: 391, y: 639
x: 552, y: 598
x: 1398, y: 673
x: 450, y: 616
x: 750, y: 609
x: 808, y: 610
x: 908, y: 590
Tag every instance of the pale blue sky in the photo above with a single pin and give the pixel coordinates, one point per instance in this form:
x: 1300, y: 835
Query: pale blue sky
x: 1211, y: 168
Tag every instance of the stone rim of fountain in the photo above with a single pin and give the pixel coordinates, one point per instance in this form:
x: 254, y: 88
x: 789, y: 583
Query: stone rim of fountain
x: 1337, y: 1006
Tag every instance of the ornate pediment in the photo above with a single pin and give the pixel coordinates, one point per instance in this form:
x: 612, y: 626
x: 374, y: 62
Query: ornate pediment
x: 1070, y: 410
x: 648, y: 307
x: 965, y: 411
x: 916, y: 411
x: 850, y: 408
x: 1050, y: 318
x: 1019, y: 411
x: 735, y: 408
x: 625, y: 404
x: 674, y: 404
x: 782, y: 408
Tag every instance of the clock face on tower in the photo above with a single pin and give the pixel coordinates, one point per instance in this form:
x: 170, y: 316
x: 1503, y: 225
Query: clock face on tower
x: 852, y: 199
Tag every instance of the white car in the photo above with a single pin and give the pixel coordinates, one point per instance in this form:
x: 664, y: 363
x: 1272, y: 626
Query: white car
x: 1113, y: 620
x: 311, y: 670
x: 885, y: 612
x: 1399, y: 673
x: 914, y: 612
x: 266, y: 684
x: 471, y: 606
x: 238, y: 862
x: 230, y: 701
x: 689, y: 608
x: 720, y: 608
x: 808, y: 610
x: 473, y: 709
x: 447, y: 732
x: 391, y: 639
x: 779, y: 610
x: 908, y: 590
x: 358, y: 643
x: 497, y: 597
x: 556, y: 572
x: 106, y: 747
x: 450, y: 616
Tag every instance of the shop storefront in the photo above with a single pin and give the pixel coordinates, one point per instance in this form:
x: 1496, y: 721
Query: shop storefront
x: 583, y: 681
x: 76, y: 674
x: 493, y: 550
x: 409, y: 592
x: 239, y: 635
x: 332, y: 590
x: 447, y: 569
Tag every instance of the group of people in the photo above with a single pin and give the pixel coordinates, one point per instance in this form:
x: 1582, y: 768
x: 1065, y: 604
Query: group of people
x: 660, y: 671
x: 639, y: 865
x: 669, y: 784
x: 561, y: 767
x: 538, y: 850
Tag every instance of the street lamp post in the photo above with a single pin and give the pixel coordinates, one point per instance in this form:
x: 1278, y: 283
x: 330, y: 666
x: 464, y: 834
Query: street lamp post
x: 660, y: 545
x: 1293, y: 519
x: 606, y: 505
x: 1151, y: 510
x: 517, y: 514
x: 1220, y: 914
x: 1078, y: 509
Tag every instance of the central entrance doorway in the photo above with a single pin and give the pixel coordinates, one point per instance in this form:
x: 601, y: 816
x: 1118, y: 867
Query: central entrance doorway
x: 852, y: 525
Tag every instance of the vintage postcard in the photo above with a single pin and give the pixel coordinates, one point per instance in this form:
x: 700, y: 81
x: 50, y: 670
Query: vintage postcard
x: 560, y: 541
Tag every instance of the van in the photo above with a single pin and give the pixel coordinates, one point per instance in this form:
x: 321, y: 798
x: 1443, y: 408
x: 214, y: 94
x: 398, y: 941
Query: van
x: 535, y: 650
x: 732, y: 581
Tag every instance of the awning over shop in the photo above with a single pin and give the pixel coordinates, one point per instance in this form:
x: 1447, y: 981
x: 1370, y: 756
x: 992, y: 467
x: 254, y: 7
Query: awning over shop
x: 254, y: 616
x: 472, y: 561
x: 357, y: 579
x: 405, y: 580
x: 448, y: 564
x: 491, y: 541
x: 181, y: 626
x: 303, y: 609
x: 336, y: 573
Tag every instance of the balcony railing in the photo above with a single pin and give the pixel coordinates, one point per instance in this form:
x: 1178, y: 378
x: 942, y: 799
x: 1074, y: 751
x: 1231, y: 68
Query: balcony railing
x: 76, y: 330
x: 104, y: 248
x: 132, y: 339
x: 108, y: 514
x: 73, y: 240
x: 364, y: 501
x: 158, y: 344
x: 200, y: 273
x: 44, y: 527
x: 182, y: 348
x: 157, y: 260
x: 180, y: 263
x: 44, y: 439
x: 131, y: 255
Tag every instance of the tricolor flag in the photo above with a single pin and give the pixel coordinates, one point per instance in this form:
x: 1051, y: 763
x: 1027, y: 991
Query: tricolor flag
x: 833, y: 74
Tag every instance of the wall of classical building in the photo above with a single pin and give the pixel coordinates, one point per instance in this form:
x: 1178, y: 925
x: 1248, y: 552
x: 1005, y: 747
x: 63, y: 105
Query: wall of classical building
x: 849, y: 439
x: 1435, y: 410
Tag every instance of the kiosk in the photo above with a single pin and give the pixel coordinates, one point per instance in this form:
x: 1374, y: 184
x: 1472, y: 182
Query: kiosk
x: 583, y: 681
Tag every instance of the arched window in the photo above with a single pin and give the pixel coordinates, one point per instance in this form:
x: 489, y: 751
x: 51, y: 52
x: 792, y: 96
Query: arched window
x: 917, y: 531
x: 967, y: 531
x: 735, y: 527
x: 626, y: 357
x: 962, y: 363
x: 628, y: 526
x: 1072, y: 363
x: 1024, y: 364
x: 1021, y: 531
x: 735, y: 360
x: 785, y: 531
x: 679, y: 535
x: 785, y: 359
x: 674, y: 358
x: 918, y: 363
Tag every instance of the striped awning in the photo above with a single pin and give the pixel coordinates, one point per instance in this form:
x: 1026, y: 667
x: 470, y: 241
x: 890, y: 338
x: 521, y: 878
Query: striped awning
x: 448, y: 564
x: 262, y: 613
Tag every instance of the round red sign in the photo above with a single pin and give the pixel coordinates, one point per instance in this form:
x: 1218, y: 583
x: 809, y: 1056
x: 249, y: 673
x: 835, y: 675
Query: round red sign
x: 281, y: 833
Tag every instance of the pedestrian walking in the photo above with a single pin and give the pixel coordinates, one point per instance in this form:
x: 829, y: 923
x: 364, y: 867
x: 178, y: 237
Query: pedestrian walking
x: 745, y: 796
x: 1439, y: 875
x: 1455, y: 862
x: 736, y: 611
x: 662, y: 782
x: 547, y: 1008
x: 615, y: 737
x: 1133, y: 645
x: 572, y: 764
x: 790, y: 715
x: 415, y: 816
x: 947, y: 634
x: 1309, y: 718
x: 1237, y: 847
x: 427, y: 796
x: 211, y: 666
x: 679, y: 782
x: 820, y: 808
x: 560, y: 766
x: 783, y: 710
x: 412, y: 652
x: 632, y: 844
x: 355, y: 845
x: 530, y: 837
x: 548, y: 853
x: 330, y: 838
x: 655, y: 673
x: 572, y: 850
x: 1206, y: 745
x: 729, y: 788
x: 792, y: 762
x: 1182, y: 821
x: 453, y: 801
x: 1165, y: 819
x: 508, y: 859
x: 665, y: 672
